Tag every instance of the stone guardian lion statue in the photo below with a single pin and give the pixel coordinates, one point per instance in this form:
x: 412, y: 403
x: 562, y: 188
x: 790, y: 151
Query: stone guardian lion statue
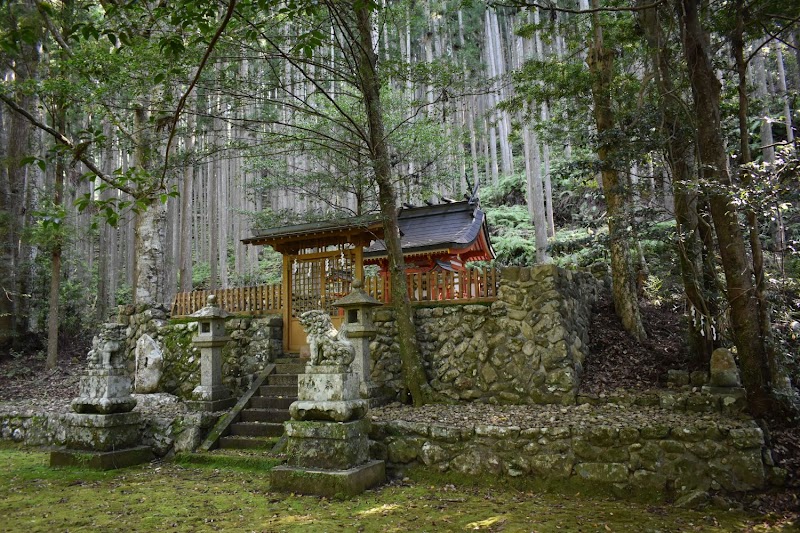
x: 327, y: 346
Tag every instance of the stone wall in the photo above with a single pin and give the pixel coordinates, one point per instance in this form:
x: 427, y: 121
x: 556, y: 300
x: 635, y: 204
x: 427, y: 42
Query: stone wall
x: 255, y: 342
x: 527, y: 347
x: 165, y: 435
x: 666, y: 457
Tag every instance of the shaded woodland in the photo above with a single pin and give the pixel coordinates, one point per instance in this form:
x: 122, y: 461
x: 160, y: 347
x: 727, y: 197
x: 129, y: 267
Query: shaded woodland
x: 141, y: 141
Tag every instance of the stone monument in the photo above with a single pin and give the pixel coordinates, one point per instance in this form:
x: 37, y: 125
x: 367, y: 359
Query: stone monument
x: 327, y: 447
x: 725, y: 382
x: 211, y: 394
x: 103, y: 432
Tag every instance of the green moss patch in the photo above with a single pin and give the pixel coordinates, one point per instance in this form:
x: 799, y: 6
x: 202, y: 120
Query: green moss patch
x: 177, y: 497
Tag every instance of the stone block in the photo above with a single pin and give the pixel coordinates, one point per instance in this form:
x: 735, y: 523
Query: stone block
x: 328, y: 483
x: 109, y: 460
x: 101, y: 433
x: 336, y: 411
x: 326, y: 430
x: 602, y: 472
x: 327, y: 454
x: 327, y: 387
x: 552, y: 466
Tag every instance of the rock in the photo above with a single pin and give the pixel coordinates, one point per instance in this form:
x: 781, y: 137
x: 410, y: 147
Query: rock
x: 149, y: 365
x: 678, y: 378
x: 698, y: 378
x: 692, y: 500
x: 723, y: 369
x: 602, y: 472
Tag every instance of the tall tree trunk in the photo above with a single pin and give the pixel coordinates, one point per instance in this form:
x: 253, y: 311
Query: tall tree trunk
x: 60, y: 123
x: 410, y: 356
x: 12, y: 205
x: 678, y: 145
x: 148, y: 249
x: 762, y: 92
x: 787, y: 110
x: 624, y: 292
x: 744, y: 315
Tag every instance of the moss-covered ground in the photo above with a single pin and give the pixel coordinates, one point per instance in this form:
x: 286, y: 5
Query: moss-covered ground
x: 175, y: 497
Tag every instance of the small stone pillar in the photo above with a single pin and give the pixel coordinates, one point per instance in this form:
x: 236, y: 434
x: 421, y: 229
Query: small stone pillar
x: 211, y: 394
x: 360, y: 331
x: 328, y: 447
x: 103, y: 432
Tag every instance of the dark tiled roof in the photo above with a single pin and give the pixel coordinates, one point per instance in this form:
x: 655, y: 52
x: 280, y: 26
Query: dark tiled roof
x: 450, y: 225
x: 313, y: 228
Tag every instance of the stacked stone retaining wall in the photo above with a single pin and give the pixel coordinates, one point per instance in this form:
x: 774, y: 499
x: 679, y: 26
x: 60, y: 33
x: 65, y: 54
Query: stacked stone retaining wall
x: 528, y: 347
x: 662, y: 454
x: 255, y: 342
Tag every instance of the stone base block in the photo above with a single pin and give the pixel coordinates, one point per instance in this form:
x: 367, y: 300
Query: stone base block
x: 102, y: 433
x: 211, y: 406
x: 333, y: 411
x: 203, y: 393
x: 101, y: 460
x: 732, y: 400
x: 327, y: 445
x: 322, y: 387
x: 328, y: 483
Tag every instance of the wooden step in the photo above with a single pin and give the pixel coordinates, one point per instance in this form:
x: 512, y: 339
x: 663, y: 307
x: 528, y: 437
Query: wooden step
x: 264, y: 415
x: 257, y: 429
x: 278, y: 390
x: 271, y: 402
x: 282, y: 379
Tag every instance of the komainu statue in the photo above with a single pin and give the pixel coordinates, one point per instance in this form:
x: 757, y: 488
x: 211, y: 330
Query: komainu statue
x: 327, y: 346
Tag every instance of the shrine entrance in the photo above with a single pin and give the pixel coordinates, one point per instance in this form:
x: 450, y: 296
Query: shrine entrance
x: 320, y: 262
x: 316, y: 281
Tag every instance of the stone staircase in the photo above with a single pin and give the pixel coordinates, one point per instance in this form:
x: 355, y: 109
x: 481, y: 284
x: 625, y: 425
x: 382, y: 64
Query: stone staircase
x: 260, y: 423
x: 252, y: 436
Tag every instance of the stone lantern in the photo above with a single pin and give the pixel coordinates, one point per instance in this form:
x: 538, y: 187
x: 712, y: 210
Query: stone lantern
x: 211, y: 394
x: 357, y: 307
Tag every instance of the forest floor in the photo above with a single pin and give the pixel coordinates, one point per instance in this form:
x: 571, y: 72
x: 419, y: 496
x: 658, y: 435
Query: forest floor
x: 615, y: 362
x: 37, y: 498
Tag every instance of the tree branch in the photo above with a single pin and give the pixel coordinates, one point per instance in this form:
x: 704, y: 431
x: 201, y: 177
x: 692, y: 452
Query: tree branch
x: 61, y: 138
x: 182, y: 102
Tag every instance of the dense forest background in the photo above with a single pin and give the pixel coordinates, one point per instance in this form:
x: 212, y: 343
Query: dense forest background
x: 141, y: 141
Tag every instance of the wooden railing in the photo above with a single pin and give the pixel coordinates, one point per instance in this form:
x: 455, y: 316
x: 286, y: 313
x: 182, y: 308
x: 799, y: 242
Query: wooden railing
x: 470, y: 285
x: 255, y: 300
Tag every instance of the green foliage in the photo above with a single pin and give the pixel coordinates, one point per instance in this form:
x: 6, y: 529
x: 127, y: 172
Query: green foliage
x: 123, y: 295
x: 509, y: 191
x: 512, y: 234
x: 201, y: 276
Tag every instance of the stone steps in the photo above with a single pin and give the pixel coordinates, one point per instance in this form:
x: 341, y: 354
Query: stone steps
x: 264, y: 415
x: 290, y: 368
x: 279, y: 391
x: 282, y: 380
x: 271, y: 402
x: 261, y: 422
x: 239, y: 442
x: 257, y: 429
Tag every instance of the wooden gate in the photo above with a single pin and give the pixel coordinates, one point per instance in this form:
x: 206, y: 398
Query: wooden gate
x: 315, y: 282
